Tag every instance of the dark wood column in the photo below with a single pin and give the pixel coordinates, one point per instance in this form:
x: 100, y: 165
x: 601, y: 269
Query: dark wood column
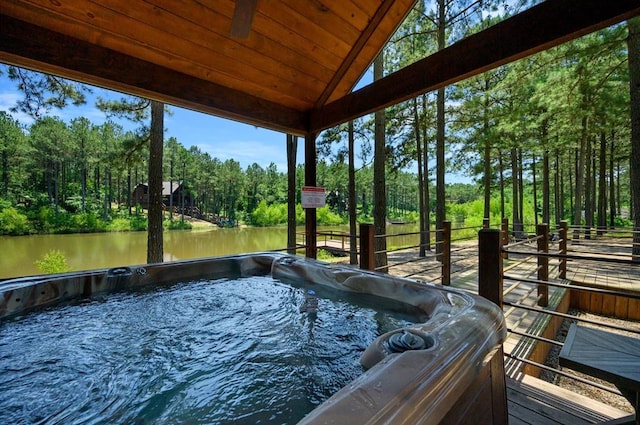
x: 292, y: 149
x: 310, y: 221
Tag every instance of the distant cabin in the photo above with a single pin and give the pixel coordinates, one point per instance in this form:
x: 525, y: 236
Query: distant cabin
x: 140, y: 194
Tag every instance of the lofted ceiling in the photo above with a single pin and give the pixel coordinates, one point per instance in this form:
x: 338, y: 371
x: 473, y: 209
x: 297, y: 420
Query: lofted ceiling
x: 296, y: 56
x: 290, y: 65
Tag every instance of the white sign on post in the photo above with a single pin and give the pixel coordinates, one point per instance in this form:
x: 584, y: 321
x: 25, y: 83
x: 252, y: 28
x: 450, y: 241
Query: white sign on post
x: 313, y: 197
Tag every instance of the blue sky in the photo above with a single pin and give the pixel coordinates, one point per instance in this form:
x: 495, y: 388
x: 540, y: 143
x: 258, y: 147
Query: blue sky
x: 221, y: 138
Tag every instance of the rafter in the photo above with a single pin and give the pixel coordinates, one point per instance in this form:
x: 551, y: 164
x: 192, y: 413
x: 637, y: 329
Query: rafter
x: 30, y: 46
x: 546, y: 25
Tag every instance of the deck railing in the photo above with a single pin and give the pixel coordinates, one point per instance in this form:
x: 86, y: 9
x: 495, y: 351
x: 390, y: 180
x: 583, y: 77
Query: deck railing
x: 546, y: 262
x: 441, y: 251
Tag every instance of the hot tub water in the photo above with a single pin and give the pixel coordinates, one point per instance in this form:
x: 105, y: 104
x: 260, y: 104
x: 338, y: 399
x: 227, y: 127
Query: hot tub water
x: 198, y: 352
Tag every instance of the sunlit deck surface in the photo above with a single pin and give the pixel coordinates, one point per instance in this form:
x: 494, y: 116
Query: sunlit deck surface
x: 532, y: 400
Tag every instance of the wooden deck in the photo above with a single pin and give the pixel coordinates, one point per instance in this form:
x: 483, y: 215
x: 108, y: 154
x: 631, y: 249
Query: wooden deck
x: 530, y: 400
x: 535, y: 402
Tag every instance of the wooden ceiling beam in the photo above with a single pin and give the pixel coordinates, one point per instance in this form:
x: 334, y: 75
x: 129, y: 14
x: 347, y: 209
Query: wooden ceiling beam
x: 354, y: 52
x: 30, y: 46
x: 548, y: 24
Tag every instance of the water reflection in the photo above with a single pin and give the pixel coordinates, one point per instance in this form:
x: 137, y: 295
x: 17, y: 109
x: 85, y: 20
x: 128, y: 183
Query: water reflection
x: 100, y: 250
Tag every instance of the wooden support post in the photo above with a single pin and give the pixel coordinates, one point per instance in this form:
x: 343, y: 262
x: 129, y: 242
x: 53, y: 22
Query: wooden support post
x: 292, y: 148
x: 542, y: 231
x: 367, y: 257
x: 485, y: 223
x: 505, y: 236
x: 446, y: 253
x: 564, y: 234
x: 490, y: 279
x: 310, y: 218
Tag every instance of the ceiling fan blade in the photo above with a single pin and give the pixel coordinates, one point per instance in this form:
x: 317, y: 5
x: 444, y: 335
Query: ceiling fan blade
x: 242, y: 18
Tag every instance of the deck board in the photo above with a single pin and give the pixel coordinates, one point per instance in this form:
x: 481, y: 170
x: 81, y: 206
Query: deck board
x: 537, y: 402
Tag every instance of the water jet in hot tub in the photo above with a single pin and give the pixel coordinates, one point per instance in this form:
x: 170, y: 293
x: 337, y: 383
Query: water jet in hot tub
x: 224, y: 339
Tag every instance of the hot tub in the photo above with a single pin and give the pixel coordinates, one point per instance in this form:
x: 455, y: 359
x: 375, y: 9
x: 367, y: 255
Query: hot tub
x: 442, y: 364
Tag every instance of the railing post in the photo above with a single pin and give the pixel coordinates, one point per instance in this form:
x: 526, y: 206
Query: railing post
x: 564, y: 234
x: 490, y: 279
x: 505, y: 237
x: 446, y: 253
x: 542, y: 231
x: 485, y: 223
x: 367, y: 257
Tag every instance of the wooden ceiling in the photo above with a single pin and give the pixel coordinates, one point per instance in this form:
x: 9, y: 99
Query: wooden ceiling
x: 297, y: 56
x: 294, y: 71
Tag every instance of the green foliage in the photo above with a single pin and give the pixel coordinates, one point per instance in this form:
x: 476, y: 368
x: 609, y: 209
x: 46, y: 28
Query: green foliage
x: 269, y: 215
x: 177, y: 225
x: 622, y: 222
x: 138, y: 223
x: 88, y: 222
x: 326, y: 217
x: 300, y: 215
x: 119, y: 224
x: 53, y: 262
x: 12, y: 222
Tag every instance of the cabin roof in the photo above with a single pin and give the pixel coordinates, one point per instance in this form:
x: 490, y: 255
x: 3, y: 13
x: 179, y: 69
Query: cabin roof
x: 166, y: 187
x: 295, y: 69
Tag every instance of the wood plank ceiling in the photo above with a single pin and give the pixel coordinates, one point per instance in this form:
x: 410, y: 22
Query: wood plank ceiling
x: 298, y: 55
x: 295, y: 70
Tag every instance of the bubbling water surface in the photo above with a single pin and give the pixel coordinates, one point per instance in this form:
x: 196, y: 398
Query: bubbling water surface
x: 209, y: 352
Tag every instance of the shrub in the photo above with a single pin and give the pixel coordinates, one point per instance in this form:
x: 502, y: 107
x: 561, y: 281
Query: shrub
x: 13, y: 222
x: 53, y: 262
x: 327, y: 217
x: 119, y: 225
x: 88, y: 222
x: 269, y: 215
x: 177, y: 225
x: 138, y: 223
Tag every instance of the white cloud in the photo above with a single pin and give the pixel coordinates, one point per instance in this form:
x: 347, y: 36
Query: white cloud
x: 7, y: 101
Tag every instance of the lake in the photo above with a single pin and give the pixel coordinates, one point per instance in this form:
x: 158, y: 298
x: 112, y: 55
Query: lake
x: 114, y: 249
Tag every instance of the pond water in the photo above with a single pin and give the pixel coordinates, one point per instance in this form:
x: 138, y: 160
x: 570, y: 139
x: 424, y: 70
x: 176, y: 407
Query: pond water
x: 102, y: 250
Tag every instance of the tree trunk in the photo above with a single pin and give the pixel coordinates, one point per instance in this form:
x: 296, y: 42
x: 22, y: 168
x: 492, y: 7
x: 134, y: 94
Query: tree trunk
x: 593, y: 186
x: 353, y: 222
x: 5, y: 173
x: 546, y: 195
x: 421, y: 206
x: 487, y: 151
x: 602, y: 184
x: 588, y: 192
x: 440, y: 127
x: 556, y: 188
x: 379, y: 187
x: 517, y: 225
x: 579, y: 180
x: 535, y: 191
x: 521, y: 187
x: 612, y: 186
x: 292, y: 149
x: 154, y: 240
x: 633, y: 47
x: 56, y: 186
x: 171, y: 190
x: 129, y: 189
x: 501, y: 166
x: 84, y: 176
x: 562, y: 194
x: 425, y: 163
